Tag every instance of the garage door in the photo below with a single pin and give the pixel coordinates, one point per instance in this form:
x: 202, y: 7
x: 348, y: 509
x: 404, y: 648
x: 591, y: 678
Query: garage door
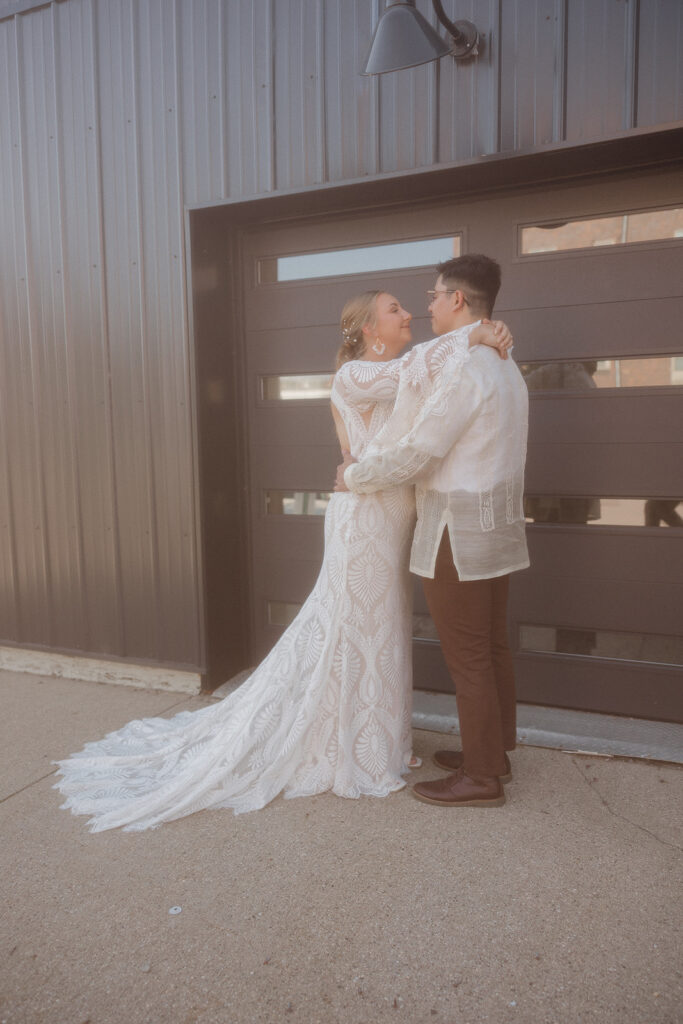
x: 593, y: 289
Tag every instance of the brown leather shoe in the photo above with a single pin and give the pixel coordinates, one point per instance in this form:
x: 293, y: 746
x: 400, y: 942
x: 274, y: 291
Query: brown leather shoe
x: 451, y: 761
x: 460, y: 790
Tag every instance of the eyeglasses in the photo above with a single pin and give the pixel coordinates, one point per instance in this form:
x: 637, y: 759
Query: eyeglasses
x: 433, y: 292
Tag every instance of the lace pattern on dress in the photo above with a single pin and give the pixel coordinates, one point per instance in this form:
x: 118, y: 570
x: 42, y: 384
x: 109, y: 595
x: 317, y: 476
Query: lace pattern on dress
x: 329, y: 708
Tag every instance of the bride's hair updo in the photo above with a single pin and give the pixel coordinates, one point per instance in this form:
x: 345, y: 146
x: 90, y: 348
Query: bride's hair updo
x: 357, y: 312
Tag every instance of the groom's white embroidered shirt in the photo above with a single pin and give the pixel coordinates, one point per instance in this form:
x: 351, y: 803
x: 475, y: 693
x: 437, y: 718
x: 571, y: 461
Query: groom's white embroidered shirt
x: 458, y: 431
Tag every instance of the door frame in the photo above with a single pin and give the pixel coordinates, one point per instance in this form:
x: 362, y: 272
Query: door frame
x: 214, y: 242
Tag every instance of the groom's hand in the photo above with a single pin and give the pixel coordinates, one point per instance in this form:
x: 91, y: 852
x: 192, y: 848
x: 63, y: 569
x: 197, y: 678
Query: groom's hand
x: 339, y: 484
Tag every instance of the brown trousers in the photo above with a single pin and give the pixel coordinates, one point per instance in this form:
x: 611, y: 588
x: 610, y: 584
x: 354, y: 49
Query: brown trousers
x: 471, y: 619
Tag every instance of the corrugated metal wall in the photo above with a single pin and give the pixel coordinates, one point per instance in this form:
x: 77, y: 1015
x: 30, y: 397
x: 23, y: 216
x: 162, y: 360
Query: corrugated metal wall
x: 114, y: 114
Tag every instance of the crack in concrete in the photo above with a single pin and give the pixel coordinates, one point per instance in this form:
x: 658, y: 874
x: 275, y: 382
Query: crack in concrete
x: 181, y: 700
x: 27, y: 786
x: 622, y: 817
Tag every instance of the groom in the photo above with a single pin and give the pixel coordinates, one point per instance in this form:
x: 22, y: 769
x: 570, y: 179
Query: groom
x: 466, y: 457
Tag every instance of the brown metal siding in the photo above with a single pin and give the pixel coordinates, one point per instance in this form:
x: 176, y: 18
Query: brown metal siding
x: 114, y: 116
x: 660, y: 88
x: 99, y: 500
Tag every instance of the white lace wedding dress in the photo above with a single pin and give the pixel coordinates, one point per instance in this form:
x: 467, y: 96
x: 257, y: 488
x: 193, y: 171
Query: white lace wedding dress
x: 330, y: 706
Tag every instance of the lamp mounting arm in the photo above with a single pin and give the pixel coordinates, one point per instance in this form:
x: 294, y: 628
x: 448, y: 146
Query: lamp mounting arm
x: 466, y: 39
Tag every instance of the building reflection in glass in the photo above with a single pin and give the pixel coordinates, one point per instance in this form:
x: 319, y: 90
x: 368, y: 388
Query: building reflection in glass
x: 297, y: 503
x: 578, y: 375
x: 621, y: 646
x: 626, y: 228
x: 288, y: 387
x: 582, y: 375
x: 601, y: 511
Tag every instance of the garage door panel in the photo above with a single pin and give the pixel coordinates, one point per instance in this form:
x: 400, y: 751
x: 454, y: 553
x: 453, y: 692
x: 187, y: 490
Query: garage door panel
x: 601, y: 330
x: 653, y: 556
x: 312, y: 349
x: 308, y: 468
x: 280, y: 426
x: 343, y: 232
x: 429, y: 668
x: 294, y: 540
x: 607, y: 417
x: 651, y: 470
x: 591, y: 587
x: 288, y: 581
x: 324, y: 299
x: 623, y: 606
x: 599, y: 686
x: 588, y: 277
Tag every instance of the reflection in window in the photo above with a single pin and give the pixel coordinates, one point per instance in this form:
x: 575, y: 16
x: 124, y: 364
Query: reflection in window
x: 552, y: 508
x: 282, y: 613
x: 650, y: 647
x: 424, y: 628
x: 299, y: 386
x: 297, y: 503
x: 624, y: 229
x: 363, y: 259
x: 580, y: 375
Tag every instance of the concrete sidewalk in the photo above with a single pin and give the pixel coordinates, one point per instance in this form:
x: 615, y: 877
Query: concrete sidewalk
x: 562, y: 906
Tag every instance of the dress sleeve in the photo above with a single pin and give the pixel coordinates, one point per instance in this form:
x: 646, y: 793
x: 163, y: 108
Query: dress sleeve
x: 434, y: 405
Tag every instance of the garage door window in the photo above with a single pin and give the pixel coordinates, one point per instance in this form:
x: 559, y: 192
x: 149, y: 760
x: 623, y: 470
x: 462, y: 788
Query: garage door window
x: 364, y: 259
x: 595, y: 232
x: 579, y: 375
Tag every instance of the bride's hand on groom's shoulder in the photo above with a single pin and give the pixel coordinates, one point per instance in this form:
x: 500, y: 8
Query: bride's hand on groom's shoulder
x: 339, y: 484
x: 496, y: 334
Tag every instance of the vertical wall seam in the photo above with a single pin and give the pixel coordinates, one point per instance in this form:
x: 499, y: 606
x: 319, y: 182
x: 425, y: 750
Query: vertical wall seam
x: 5, y: 341
x: 39, y: 477
x: 81, y: 597
x: 222, y: 93
x: 271, y: 97
x: 106, y: 341
x: 190, y: 376
x: 497, y: 68
x: 435, y: 104
x: 150, y: 460
x: 321, y: 93
x: 631, y: 64
x: 376, y: 82
x: 561, y: 74
x: 11, y: 546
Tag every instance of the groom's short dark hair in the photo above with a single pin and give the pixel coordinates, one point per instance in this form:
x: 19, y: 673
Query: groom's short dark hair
x: 477, y: 276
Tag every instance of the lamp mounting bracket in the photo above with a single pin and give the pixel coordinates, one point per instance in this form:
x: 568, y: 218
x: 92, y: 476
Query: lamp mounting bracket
x: 466, y: 39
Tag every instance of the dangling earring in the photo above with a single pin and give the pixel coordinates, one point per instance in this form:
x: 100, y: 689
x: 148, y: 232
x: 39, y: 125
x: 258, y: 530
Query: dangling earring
x: 379, y: 347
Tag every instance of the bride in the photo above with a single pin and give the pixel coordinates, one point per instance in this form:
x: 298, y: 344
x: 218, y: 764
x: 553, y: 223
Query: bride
x: 330, y: 706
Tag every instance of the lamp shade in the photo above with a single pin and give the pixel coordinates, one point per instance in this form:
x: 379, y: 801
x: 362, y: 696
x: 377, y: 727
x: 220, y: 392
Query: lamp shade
x: 403, y: 38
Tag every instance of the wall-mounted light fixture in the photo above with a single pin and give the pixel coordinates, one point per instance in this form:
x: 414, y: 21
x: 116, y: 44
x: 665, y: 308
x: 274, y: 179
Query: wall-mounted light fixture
x: 404, y: 38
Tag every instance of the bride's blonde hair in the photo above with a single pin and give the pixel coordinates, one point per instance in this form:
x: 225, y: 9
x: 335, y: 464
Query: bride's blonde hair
x: 356, y: 313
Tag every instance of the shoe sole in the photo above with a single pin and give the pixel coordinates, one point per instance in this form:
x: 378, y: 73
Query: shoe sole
x: 498, y: 802
x: 449, y: 768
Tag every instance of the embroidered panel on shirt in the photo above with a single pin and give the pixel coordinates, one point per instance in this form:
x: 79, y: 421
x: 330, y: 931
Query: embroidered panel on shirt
x: 510, y: 500
x: 486, y: 510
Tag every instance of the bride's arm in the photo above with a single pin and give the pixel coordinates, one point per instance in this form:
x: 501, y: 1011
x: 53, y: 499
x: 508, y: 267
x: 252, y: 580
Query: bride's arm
x: 494, y: 333
x: 342, y: 436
